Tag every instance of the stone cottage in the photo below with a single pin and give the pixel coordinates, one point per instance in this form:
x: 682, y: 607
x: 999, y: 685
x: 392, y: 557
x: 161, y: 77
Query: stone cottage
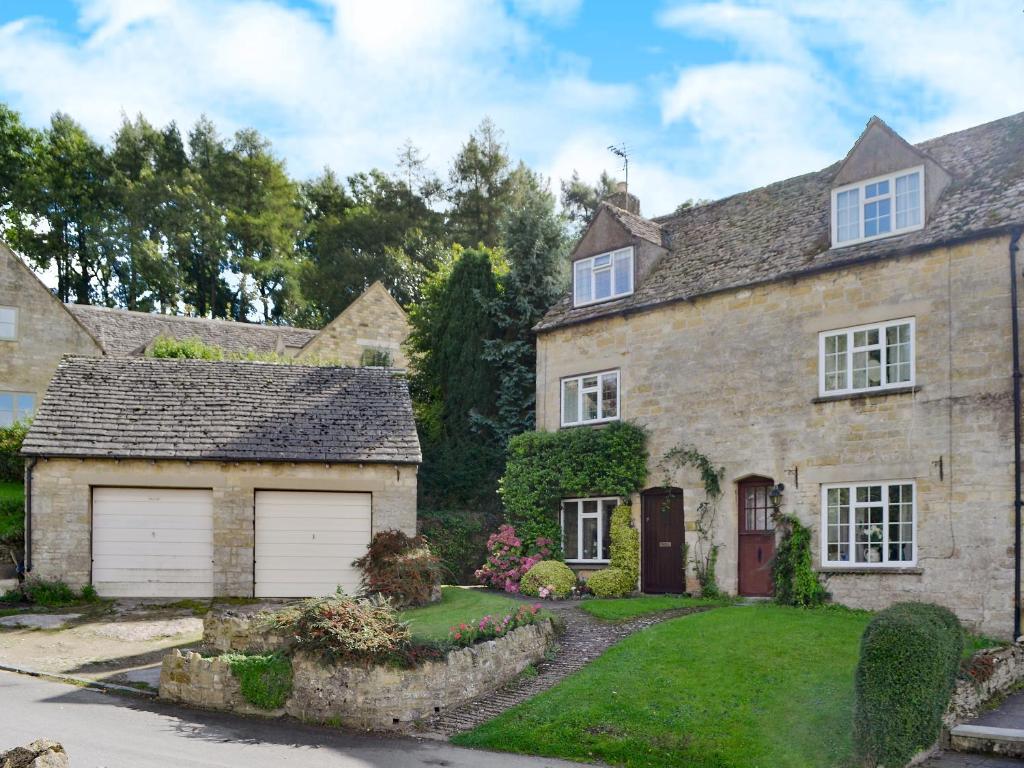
x: 192, y: 478
x: 844, y: 343
x: 36, y: 330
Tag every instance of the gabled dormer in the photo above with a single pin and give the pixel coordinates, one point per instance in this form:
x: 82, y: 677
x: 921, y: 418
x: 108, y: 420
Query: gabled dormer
x: 616, y: 252
x: 885, y: 187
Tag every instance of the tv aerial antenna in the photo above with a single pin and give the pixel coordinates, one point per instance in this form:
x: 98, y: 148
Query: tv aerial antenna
x: 622, y: 151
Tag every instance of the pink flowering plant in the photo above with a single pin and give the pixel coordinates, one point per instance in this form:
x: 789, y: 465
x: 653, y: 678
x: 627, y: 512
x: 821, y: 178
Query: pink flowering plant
x: 508, y: 561
x: 493, y: 627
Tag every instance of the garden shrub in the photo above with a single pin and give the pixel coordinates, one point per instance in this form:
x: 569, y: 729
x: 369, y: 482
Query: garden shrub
x: 457, y: 538
x: 507, y: 559
x: 625, y: 545
x: 400, y: 567
x: 909, y: 658
x: 611, y: 582
x: 795, y: 581
x: 12, y: 520
x: 545, y: 467
x: 348, y: 630
x: 49, y: 594
x: 491, y: 628
x: 12, y: 465
x: 265, y: 679
x: 548, y: 578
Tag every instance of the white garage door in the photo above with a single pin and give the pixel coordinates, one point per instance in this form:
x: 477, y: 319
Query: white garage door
x: 152, y: 542
x: 306, y: 542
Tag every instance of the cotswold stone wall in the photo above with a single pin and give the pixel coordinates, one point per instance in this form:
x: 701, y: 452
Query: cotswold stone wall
x: 735, y: 375
x: 241, y: 629
x: 378, y: 697
x: 62, y: 506
x: 989, y: 673
x: 373, y: 321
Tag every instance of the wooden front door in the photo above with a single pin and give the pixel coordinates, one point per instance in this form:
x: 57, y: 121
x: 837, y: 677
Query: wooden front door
x: 757, y: 538
x: 662, y: 534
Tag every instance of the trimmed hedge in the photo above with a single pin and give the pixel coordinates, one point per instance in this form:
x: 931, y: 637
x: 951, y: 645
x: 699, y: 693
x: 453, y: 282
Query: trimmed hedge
x: 545, y: 467
x: 620, y: 577
x: 553, y: 574
x: 611, y: 582
x: 909, y: 658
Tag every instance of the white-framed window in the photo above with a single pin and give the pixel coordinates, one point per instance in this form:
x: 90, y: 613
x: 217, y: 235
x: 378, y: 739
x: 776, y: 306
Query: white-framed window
x: 878, y: 207
x: 869, y: 525
x: 16, y: 406
x: 586, y: 529
x: 866, y: 358
x: 590, y: 399
x: 8, y: 323
x: 603, y: 277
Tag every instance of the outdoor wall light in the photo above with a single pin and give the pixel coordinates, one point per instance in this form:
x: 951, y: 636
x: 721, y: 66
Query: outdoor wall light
x: 775, y: 495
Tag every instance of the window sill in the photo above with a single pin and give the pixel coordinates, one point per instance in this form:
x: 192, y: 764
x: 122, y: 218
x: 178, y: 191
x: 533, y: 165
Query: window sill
x: 584, y: 563
x: 887, y: 570
x: 867, y: 394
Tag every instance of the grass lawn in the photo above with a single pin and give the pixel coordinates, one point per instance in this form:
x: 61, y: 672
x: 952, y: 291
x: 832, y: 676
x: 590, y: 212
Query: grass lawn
x: 12, y: 513
x: 740, y: 686
x: 618, y: 609
x: 458, y: 604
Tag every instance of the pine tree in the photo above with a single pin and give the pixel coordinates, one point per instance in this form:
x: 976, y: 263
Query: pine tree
x: 479, y: 188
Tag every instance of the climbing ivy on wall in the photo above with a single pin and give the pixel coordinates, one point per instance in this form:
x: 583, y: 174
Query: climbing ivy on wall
x: 545, y: 467
x: 796, y: 583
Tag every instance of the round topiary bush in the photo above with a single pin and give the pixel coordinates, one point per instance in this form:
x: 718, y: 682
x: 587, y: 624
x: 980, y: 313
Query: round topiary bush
x: 611, y: 582
x: 553, y: 575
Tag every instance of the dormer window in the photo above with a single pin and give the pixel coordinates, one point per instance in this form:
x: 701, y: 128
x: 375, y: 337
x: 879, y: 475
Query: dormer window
x: 878, y: 207
x: 603, y: 277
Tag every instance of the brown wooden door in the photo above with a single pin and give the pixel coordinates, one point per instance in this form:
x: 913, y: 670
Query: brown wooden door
x: 757, y: 538
x: 662, y: 534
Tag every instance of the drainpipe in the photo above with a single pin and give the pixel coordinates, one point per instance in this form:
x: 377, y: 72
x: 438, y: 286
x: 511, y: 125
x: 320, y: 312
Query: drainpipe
x: 1017, y: 501
x: 27, y: 565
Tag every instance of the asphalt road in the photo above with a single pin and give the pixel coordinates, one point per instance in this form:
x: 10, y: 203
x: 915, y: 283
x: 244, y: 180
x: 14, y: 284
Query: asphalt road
x: 101, y: 730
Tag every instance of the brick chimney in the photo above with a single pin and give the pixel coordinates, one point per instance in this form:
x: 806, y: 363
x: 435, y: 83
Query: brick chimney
x: 621, y: 198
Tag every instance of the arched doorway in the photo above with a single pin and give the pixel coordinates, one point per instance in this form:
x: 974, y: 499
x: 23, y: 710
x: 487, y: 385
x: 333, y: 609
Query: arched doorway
x: 662, y: 534
x: 756, y: 537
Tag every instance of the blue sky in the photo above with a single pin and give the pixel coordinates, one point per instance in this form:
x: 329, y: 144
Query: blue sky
x: 711, y: 97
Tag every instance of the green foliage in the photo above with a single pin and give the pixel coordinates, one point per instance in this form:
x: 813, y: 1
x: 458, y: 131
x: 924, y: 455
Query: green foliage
x: 625, y: 544
x: 400, y: 568
x: 480, y: 184
x: 706, y: 556
x: 375, y: 358
x: 165, y: 347
x: 630, y: 607
x: 909, y: 658
x: 458, y: 538
x: 552, y: 575
x: 580, y: 200
x: 347, y: 630
x: 611, y: 582
x: 795, y: 581
x: 265, y: 679
x: 545, y: 467
x: 12, y: 465
x: 490, y: 627
x: 50, y: 594
x: 458, y: 605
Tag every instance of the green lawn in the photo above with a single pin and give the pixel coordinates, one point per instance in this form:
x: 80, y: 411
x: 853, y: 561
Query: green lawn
x: 631, y: 607
x: 458, y: 604
x: 741, y: 686
x: 12, y: 512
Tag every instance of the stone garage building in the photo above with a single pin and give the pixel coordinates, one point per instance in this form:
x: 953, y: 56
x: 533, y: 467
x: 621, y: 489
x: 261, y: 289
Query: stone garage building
x: 194, y: 478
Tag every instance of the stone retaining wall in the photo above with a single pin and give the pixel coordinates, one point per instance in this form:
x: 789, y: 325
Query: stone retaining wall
x: 377, y: 698
x: 240, y: 629
x: 989, y: 673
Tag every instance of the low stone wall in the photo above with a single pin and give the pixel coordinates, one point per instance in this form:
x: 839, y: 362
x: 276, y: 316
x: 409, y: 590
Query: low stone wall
x: 241, y: 628
x: 378, y: 697
x: 987, y: 674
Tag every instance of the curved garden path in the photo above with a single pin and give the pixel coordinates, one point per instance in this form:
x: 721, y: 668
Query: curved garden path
x: 584, y: 639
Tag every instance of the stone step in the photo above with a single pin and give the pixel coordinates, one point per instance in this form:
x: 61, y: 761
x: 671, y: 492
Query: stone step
x: 987, y: 740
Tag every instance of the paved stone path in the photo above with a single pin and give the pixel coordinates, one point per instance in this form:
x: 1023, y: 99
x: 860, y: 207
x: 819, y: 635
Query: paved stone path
x: 585, y: 638
x: 1009, y: 714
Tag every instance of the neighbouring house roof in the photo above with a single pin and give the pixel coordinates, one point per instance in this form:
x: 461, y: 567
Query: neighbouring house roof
x: 136, y: 407
x: 783, y: 230
x: 122, y: 332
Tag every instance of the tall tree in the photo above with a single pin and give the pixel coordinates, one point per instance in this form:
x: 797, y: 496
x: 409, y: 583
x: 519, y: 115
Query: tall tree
x: 580, y: 199
x: 18, y: 145
x: 479, y: 188
x: 263, y: 219
x: 535, y: 247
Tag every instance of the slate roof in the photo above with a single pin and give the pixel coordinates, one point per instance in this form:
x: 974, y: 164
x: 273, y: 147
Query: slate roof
x: 783, y: 230
x: 122, y: 332
x: 638, y: 226
x: 136, y: 407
